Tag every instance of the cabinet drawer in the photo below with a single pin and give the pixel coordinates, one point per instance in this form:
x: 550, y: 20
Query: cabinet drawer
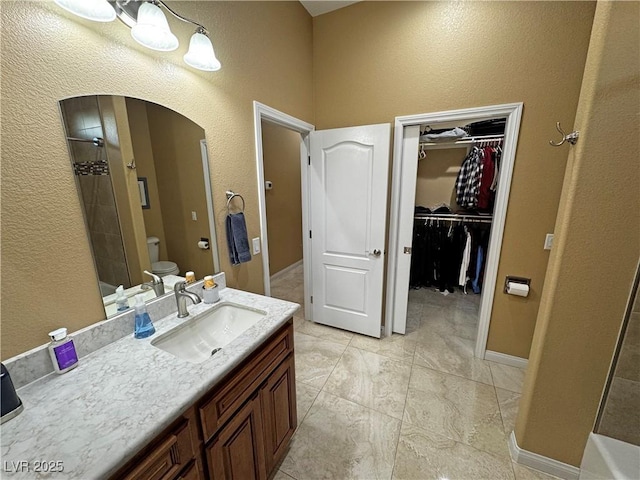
x: 170, y: 455
x: 242, y: 383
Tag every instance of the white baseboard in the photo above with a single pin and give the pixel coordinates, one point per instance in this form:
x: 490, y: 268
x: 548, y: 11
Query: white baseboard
x: 285, y: 270
x: 506, y: 359
x: 541, y: 463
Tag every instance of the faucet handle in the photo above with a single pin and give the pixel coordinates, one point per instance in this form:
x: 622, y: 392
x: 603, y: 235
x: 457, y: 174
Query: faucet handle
x: 180, y: 287
x: 156, y: 278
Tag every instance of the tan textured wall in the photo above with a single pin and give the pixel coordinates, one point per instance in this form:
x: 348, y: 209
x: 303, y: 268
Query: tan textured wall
x: 437, y: 175
x: 266, y: 52
x: 145, y: 167
x: 117, y: 138
x: 374, y: 61
x: 596, y: 247
x: 176, y: 151
x: 281, y: 153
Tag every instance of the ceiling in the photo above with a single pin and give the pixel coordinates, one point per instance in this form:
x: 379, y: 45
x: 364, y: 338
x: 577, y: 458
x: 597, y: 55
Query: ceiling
x: 318, y: 7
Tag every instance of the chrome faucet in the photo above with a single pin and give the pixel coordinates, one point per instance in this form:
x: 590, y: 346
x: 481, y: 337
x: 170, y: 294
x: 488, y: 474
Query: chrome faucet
x: 180, y: 289
x: 156, y: 284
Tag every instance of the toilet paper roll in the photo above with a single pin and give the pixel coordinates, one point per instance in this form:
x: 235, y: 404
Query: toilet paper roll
x: 519, y: 289
x: 203, y: 245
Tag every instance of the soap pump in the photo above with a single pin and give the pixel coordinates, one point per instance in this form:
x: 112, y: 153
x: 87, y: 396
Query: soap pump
x: 121, y: 300
x: 143, y: 326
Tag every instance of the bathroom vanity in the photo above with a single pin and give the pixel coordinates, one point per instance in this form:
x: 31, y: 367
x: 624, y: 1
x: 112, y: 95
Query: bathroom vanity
x: 238, y: 430
x: 133, y: 410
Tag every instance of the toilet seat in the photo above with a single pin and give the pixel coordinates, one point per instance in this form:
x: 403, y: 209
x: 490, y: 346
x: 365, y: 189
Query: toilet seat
x: 164, y: 268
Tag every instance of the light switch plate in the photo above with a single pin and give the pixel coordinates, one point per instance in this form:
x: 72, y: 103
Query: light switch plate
x: 194, y: 216
x: 256, y: 245
x: 548, y: 241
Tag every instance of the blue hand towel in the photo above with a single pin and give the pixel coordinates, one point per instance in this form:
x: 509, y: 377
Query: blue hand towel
x: 237, y: 239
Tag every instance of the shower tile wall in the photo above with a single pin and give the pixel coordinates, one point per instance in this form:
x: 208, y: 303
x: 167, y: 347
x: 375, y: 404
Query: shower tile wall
x: 621, y: 416
x: 82, y: 118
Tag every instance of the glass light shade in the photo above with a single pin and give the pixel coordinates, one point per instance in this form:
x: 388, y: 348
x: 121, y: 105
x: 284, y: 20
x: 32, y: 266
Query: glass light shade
x: 201, y: 54
x: 152, y: 29
x: 96, y: 10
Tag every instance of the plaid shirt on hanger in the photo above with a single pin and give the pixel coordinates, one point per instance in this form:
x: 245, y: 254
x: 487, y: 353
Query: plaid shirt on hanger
x: 468, y: 181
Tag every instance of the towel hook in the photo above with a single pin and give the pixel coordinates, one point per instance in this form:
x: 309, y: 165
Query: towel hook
x: 230, y: 196
x: 572, y: 137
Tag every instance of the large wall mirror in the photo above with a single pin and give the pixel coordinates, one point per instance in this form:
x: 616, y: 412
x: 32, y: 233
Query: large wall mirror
x: 144, y: 184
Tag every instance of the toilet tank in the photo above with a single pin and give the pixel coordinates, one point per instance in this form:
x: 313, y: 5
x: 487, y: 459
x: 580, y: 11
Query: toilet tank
x: 153, y: 246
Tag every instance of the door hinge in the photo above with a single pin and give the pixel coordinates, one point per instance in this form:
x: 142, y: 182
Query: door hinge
x: 309, y: 160
x: 310, y: 235
x: 311, y: 298
x: 407, y: 250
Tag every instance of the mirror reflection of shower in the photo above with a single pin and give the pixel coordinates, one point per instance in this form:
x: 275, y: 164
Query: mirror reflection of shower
x: 83, y: 123
x: 143, y: 183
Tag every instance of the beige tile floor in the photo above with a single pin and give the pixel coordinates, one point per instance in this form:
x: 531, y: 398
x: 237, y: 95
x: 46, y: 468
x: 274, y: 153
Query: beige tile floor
x: 414, y: 406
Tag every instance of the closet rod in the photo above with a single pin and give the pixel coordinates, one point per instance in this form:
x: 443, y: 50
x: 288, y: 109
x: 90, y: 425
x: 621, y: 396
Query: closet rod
x: 97, y: 141
x: 462, y: 142
x: 453, y: 217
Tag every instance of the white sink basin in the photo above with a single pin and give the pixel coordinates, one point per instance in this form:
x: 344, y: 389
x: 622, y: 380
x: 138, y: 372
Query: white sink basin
x: 198, y: 338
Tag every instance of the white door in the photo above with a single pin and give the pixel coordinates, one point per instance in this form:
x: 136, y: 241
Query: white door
x: 348, y: 183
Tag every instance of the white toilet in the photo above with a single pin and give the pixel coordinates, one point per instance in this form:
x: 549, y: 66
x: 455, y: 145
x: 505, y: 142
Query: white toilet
x: 160, y: 268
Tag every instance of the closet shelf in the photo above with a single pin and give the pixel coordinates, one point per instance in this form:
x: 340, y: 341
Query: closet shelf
x: 461, y: 143
x: 454, y: 217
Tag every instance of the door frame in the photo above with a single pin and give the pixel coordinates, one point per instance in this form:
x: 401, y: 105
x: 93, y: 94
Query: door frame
x: 213, y: 239
x: 513, y: 114
x: 263, y: 112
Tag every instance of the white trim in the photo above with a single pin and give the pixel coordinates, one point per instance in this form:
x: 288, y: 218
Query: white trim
x: 505, y: 359
x: 264, y: 112
x: 213, y: 239
x: 285, y: 270
x: 513, y: 114
x: 541, y: 463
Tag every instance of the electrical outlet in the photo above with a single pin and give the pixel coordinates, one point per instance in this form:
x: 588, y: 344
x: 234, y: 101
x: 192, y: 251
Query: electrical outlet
x: 194, y: 216
x: 548, y: 241
x: 256, y: 245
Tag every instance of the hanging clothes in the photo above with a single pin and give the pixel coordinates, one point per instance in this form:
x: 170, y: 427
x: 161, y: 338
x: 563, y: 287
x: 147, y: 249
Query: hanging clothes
x: 477, y: 180
x: 446, y: 255
x: 468, y: 180
x: 488, y: 170
x: 466, y: 259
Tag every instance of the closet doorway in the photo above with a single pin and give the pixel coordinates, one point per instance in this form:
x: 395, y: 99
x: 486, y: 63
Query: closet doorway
x: 409, y: 147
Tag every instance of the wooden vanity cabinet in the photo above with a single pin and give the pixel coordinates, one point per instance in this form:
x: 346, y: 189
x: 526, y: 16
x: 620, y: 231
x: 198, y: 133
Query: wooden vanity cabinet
x: 239, y: 430
x: 173, y: 454
x: 260, y: 398
x: 237, y: 451
x: 278, y: 405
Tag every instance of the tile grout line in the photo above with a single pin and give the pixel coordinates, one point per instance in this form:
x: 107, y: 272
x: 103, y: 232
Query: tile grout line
x: 495, y: 392
x: 404, y: 408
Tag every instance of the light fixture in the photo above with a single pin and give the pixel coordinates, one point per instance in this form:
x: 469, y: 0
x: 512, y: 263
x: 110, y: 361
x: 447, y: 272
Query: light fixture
x: 201, y: 54
x: 152, y: 29
x: 149, y: 27
x: 96, y: 10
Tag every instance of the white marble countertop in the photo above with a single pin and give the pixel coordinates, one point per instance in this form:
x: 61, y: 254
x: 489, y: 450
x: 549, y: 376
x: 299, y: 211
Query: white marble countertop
x: 97, y: 416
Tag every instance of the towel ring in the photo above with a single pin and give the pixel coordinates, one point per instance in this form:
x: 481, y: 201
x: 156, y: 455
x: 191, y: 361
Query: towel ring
x: 230, y: 196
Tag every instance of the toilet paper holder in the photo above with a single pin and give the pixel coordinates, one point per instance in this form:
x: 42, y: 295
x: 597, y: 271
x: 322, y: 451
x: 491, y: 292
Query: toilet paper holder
x: 512, y: 279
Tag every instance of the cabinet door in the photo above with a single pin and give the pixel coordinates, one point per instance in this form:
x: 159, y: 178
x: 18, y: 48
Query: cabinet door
x: 278, y: 400
x: 237, y: 451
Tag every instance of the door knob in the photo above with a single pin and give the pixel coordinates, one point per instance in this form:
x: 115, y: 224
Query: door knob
x: 376, y: 253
